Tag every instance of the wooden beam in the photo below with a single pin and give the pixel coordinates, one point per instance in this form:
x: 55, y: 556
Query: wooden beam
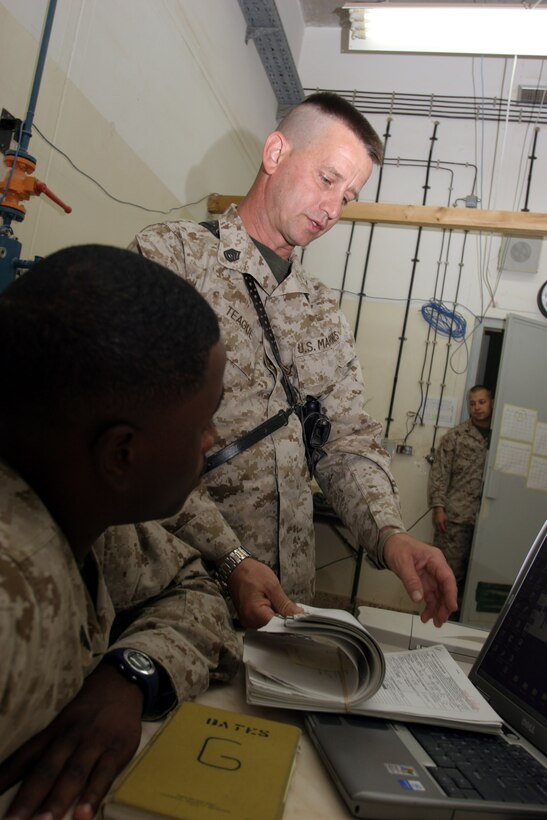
x: 513, y: 223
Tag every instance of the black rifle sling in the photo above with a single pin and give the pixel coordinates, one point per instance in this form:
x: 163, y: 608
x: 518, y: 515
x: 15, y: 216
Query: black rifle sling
x: 290, y: 392
x: 256, y: 434
x: 272, y: 424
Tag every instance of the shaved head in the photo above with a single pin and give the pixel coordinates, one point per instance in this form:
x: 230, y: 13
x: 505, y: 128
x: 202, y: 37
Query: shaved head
x: 307, y: 122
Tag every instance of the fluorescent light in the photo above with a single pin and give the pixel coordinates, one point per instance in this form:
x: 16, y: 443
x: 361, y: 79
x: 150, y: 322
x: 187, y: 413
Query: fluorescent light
x: 449, y: 29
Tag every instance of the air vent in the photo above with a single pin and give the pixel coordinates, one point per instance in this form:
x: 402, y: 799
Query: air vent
x: 532, y: 94
x: 520, y: 254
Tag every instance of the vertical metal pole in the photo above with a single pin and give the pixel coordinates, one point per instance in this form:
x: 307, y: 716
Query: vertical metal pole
x: 26, y: 132
x: 10, y: 247
x: 415, y: 260
x: 371, y: 235
x: 532, y: 157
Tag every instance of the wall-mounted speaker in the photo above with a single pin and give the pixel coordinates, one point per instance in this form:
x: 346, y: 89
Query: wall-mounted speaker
x: 520, y: 254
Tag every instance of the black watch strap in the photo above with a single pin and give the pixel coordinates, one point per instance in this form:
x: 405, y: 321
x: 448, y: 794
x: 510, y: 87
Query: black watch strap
x: 139, y: 668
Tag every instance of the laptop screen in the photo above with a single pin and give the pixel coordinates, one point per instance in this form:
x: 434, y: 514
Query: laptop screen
x: 511, y: 670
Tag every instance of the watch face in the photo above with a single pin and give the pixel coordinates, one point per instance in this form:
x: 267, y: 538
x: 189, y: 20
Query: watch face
x: 139, y: 662
x: 542, y: 299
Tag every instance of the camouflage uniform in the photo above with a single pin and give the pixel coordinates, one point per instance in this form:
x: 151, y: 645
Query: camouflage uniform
x: 263, y: 497
x: 53, y: 632
x: 455, y: 483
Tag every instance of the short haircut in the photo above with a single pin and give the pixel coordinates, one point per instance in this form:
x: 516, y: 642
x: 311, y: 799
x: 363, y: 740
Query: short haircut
x: 477, y: 387
x: 98, y: 326
x: 333, y: 105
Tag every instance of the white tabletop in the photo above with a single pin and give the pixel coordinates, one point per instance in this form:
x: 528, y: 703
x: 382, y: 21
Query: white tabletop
x: 311, y: 793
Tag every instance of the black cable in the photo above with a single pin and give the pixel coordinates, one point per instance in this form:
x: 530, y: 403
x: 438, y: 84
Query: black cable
x: 448, y: 356
x: 441, y: 106
x: 434, y: 332
x: 415, y: 261
x: 404, y: 299
x: 104, y: 190
x: 346, y: 557
x: 371, y: 234
x: 419, y: 519
x: 346, y: 263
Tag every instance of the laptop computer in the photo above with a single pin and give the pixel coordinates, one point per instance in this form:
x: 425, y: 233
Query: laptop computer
x: 390, y: 770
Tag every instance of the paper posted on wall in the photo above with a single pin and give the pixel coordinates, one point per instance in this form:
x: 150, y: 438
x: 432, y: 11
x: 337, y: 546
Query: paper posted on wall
x: 326, y: 660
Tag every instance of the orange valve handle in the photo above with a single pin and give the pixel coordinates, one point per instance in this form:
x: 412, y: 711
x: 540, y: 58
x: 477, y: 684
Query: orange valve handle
x: 20, y: 185
x: 41, y: 188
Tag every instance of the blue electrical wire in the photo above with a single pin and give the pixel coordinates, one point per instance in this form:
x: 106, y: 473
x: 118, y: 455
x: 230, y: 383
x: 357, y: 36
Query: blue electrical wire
x: 443, y: 320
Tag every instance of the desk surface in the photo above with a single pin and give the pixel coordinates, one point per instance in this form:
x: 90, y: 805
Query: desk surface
x: 311, y: 793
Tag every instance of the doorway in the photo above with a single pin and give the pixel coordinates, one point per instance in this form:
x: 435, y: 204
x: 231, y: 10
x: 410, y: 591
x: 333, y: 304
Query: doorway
x: 485, y: 355
x: 515, y: 483
x: 489, y: 359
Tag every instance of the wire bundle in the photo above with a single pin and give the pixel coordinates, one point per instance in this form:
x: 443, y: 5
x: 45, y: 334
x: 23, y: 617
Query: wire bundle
x: 443, y: 320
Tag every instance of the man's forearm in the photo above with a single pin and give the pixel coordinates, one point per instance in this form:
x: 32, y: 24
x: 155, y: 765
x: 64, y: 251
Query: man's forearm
x: 202, y: 525
x: 365, y: 498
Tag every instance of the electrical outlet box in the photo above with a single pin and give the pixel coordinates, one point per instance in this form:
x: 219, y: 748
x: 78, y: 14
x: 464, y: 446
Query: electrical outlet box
x: 8, y: 126
x: 404, y: 449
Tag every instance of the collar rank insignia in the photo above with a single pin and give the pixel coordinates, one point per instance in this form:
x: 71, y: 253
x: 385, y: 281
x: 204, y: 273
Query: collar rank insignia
x: 231, y: 255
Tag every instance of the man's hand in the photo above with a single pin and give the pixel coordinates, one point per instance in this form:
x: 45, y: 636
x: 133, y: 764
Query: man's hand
x: 425, y: 574
x: 77, y: 756
x: 440, y: 520
x: 257, y: 594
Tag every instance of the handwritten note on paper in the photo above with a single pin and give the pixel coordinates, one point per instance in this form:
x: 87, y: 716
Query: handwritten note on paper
x: 512, y: 457
x: 518, y: 423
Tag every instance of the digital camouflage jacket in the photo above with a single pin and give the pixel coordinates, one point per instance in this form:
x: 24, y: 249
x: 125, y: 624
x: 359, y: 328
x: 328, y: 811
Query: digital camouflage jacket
x: 456, y: 476
x: 53, y: 631
x: 262, y: 498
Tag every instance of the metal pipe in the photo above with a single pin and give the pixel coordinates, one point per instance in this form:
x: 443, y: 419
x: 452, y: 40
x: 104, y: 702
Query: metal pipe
x: 371, y: 235
x: 10, y: 247
x: 532, y: 157
x: 419, y: 414
x: 27, y: 125
x: 415, y: 260
x: 443, y: 383
x: 346, y: 263
x: 435, y: 331
x: 442, y: 106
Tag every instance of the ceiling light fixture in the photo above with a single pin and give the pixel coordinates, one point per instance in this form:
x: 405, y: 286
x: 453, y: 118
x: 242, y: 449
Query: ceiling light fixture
x: 450, y: 29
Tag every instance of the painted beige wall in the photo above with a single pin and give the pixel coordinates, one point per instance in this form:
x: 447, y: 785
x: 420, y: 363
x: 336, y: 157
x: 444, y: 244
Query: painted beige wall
x: 163, y: 103
x: 152, y: 101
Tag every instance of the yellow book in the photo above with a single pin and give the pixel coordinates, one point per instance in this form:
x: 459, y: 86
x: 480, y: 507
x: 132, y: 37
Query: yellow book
x: 207, y: 763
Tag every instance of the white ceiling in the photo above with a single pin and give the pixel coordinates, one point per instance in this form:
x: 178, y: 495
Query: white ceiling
x: 330, y: 12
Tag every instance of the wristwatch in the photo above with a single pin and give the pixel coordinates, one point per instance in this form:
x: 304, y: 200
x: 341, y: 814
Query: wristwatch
x: 222, y: 571
x: 138, y: 668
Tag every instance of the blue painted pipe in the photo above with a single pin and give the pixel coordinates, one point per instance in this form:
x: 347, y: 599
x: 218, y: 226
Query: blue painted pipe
x: 10, y: 247
x: 27, y: 125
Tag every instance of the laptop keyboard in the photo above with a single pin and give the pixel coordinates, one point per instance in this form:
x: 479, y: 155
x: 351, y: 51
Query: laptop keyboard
x: 472, y: 765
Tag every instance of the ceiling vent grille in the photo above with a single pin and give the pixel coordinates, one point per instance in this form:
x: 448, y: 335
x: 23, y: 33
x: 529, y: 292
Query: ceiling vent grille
x: 532, y: 94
